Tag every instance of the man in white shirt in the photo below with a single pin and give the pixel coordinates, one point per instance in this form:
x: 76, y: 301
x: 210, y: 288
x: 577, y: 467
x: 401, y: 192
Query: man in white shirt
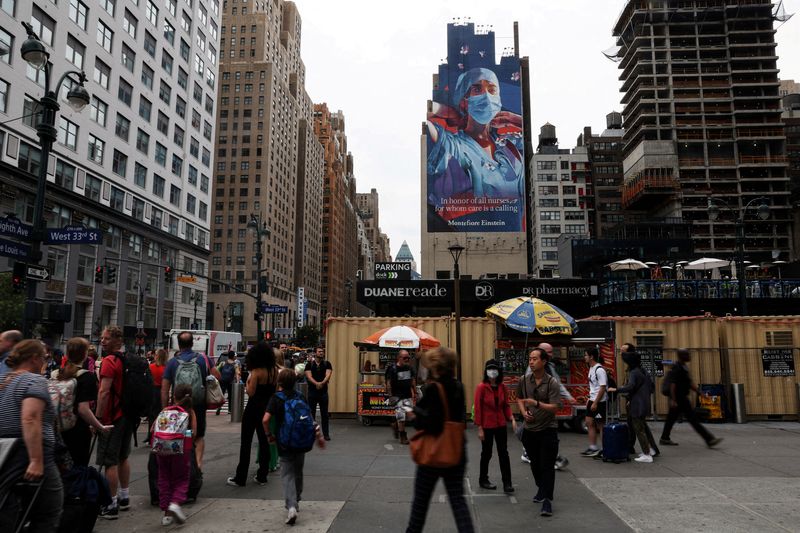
x: 596, y: 406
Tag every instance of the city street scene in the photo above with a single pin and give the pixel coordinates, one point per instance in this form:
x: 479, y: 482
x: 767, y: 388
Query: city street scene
x: 271, y: 265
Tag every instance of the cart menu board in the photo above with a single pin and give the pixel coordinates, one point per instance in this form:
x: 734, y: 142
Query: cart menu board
x: 373, y: 401
x: 778, y: 362
x: 652, y: 359
x: 512, y: 361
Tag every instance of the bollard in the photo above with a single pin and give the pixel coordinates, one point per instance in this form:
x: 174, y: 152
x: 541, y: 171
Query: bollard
x: 737, y: 403
x: 236, y: 405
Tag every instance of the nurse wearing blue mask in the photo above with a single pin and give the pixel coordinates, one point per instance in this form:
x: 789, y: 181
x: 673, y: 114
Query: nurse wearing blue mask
x: 492, y: 162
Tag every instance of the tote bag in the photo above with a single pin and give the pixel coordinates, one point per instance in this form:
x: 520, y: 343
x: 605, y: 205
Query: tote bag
x: 443, y: 450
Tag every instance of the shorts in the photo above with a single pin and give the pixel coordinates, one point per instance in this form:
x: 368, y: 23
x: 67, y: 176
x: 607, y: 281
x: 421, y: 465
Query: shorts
x: 115, y: 446
x: 200, y: 417
x: 600, y: 415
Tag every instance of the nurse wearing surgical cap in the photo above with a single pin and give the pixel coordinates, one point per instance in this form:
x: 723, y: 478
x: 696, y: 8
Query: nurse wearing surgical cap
x: 491, y: 164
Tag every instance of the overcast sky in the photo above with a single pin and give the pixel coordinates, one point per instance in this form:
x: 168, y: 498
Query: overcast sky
x: 374, y: 60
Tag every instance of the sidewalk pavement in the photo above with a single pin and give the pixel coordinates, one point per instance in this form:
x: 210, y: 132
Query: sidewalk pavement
x: 363, y: 482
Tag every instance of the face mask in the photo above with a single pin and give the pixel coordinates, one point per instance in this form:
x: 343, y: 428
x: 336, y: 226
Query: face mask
x: 492, y: 374
x: 483, y: 107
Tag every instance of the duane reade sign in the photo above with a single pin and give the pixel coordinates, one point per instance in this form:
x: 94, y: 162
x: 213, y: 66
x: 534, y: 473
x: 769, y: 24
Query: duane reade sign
x: 394, y: 270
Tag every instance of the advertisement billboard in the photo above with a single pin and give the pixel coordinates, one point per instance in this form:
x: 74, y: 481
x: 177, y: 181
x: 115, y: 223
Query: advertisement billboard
x: 475, y: 161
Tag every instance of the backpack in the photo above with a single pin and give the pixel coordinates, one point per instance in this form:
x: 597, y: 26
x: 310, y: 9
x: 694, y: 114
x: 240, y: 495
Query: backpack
x: 296, y: 433
x: 227, y: 372
x: 62, y: 395
x: 169, y: 431
x: 137, y: 386
x: 189, y: 373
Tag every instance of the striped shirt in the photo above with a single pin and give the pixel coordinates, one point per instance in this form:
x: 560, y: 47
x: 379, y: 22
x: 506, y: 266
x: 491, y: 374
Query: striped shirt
x: 27, y: 385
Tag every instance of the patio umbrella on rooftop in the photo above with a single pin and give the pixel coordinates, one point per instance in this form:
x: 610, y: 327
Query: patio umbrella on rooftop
x: 707, y: 263
x: 627, y: 264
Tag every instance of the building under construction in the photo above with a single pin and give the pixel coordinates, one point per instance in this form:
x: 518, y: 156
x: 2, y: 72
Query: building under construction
x: 702, y: 119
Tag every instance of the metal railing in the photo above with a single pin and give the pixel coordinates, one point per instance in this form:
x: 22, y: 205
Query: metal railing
x: 625, y: 291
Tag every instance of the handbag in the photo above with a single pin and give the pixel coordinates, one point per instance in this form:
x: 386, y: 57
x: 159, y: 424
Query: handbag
x: 214, y: 396
x: 443, y: 450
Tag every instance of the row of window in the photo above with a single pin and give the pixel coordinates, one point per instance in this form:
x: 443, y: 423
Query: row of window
x: 556, y: 215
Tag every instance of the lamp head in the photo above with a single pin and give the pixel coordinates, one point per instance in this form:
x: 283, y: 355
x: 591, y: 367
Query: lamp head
x: 713, y: 211
x: 33, y: 50
x: 763, y: 211
x: 78, y: 98
x: 455, y: 251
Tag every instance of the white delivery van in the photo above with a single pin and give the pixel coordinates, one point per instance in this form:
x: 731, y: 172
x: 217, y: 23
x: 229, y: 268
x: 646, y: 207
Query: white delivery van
x: 211, y: 343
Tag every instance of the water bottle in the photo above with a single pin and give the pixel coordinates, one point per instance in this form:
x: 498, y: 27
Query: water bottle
x: 188, y: 434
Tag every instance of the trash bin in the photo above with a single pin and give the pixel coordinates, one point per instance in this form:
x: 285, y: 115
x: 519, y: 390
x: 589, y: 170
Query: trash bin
x: 737, y: 403
x: 236, y: 405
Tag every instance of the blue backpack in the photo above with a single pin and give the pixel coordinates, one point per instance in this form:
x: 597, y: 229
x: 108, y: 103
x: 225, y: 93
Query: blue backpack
x: 297, y: 430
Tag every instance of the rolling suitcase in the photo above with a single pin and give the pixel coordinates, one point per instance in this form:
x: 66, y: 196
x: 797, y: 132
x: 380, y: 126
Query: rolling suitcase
x: 615, y: 436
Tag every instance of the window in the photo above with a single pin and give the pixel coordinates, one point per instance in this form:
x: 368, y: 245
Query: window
x: 8, y: 41
x: 75, y: 51
x: 197, y: 94
x: 186, y: 22
x: 180, y: 107
x: 8, y: 6
x: 105, y: 36
x: 122, y: 129
x: 152, y: 13
x: 125, y: 92
x: 101, y: 73
x: 183, y: 78
x: 67, y: 133
x: 3, y: 97
x: 177, y: 165
x: 29, y: 158
x: 206, y: 158
x: 137, y: 210
x: 163, y: 123
x: 109, y: 6
x: 178, y: 136
x: 550, y: 215
x: 128, y: 57
x: 129, y: 24
x: 98, y: 111
x: 96, y: 149
x: 550, y: 242
x: 65, y: 174
x: 140, y: 175
x: 166, y: 62
x: 170, y: 6
x: 545, y: 165
x: 31, y: 115
x: 147, y: 76
x: 85, y: 269
x: 192, y: 178
x: 92, y: 190
x: 204, y: 183
x: 568, y: 189
x: 190, y: 203
x: 574, y: 215
x: 207, y: 131
x: 175, y: 195
x: 565, y: 165
x: 145, y: 108
x: 195, y: 119
x: 549, y: 256
x: 117, y: 198
x: 156, y: 217
x: 158, y: 185
x: 199, y: 64
x: 142, y: 141
x: 161, y: 154
x: 576, y: 229
x: 43, y: 25
x: 202, y: 211
x: 169, y: 33
x: 185, y: 50
x: 119, y: 164
x: 165, y: 92
x: 149, y: 44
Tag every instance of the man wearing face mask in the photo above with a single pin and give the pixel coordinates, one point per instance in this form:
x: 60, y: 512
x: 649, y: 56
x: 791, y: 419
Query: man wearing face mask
x: 477, y: 159
x: 318, y: 374
x: 401, y: 382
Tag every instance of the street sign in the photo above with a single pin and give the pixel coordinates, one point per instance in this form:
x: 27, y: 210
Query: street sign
x: 283, y: 331
x: 73, y: 235
x: 273, y: 309
x: 393, y: 270
x: 14, y: 249
x: 301, y: 299
x: 140, y: 324
x: 187, y: 279
x: 13, y: 227
x: 37, y: 273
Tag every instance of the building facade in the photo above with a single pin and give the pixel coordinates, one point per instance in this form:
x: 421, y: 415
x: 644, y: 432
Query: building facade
x: 135, y: 164
x: 268, y: 169
x: 369, y: 211
x: 702, y: 120
x: 791, y: 119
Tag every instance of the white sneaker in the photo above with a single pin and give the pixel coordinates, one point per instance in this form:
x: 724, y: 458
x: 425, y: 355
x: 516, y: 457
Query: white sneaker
x: 644, y: 458
x: 166, y: 520
x: 292, y: 516
x: 524, y: 459
x: 177, y: 512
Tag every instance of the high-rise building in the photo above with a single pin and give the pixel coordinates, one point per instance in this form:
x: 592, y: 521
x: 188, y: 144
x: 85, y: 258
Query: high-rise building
x: 268, y: 169
x: 788, y: 87
x: 369, y: 211
x: 791, y: 119
x: 134, y: 164
x: 702, y: 120
x: 384, y: 249
x: 561, y: 199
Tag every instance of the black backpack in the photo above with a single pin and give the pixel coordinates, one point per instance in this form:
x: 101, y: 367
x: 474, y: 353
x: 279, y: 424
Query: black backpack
x: 137, y: 386
x: 666, y: 383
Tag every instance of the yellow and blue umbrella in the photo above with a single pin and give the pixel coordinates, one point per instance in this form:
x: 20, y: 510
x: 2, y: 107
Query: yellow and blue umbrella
x: 529, y: 314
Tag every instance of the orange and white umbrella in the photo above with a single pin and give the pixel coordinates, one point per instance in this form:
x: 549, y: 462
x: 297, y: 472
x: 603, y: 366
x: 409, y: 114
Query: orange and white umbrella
x: 402, y: 337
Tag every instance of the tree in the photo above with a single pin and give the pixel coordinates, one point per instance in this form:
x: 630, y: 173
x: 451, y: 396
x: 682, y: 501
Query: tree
x: 12, y: 304
x: 307, y: 336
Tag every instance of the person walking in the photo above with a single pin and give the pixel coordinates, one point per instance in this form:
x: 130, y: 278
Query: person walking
x: 538, y: 400
x: 174, y: 470
x: 228, y: 375
x: 27, y: 413
x: 292, y: 460
x: 638, y: 388
x: 492, y: 414
x: 402, y: 384
x: 680, y: 383
x: 261, y: 384
x: 318, y: 374
x: 596, y: 406
x: 157, y: 368
x: 429, y: 415
x: 629, y: 347
x: 8, y: 339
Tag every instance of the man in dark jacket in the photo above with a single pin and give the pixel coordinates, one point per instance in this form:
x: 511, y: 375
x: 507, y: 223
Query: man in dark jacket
x: 680, y: 383
x: 638, y: 389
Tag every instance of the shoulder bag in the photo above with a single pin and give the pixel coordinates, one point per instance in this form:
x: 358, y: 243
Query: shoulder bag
x: 443, y: 450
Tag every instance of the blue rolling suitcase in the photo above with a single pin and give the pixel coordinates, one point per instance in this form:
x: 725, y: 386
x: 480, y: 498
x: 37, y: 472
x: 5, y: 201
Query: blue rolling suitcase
x: 615, y: 437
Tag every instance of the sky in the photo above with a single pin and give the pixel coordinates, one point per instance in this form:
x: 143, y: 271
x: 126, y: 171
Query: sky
x: 374, y: 60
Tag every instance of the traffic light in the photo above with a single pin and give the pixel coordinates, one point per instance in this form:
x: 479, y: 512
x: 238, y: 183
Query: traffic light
x: 18, y: 277
x: 268, y: 335
x: 111, y: 274
x: 98, y: 274
x: 167, y: 274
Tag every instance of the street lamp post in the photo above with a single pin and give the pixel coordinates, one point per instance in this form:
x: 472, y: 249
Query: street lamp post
x: 34, y: 53
x: 455, y: 251
x: 261, y: 230
x: 196, y: 297
x: 763, y: 214
x: 348, y: 284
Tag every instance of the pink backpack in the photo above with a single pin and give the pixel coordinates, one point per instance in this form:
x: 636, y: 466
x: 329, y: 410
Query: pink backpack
x: 169, y: 431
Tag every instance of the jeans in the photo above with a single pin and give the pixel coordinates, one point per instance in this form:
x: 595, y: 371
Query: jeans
x: 542, y: 449
x: 500, y: 436
x: 45, y: 513
x: 292, y: 478
x: 321, y: 399
x: 424, y: 482
x: 685, y: 408
x: 173, y: 478
x: 251, y: 422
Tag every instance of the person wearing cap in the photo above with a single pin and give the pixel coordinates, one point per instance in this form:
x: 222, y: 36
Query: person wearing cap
x: 492, y: 414
x: 680, y: 383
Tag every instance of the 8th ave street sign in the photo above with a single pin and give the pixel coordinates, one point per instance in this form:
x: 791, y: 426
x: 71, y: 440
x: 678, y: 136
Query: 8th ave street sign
x: 393, y: 270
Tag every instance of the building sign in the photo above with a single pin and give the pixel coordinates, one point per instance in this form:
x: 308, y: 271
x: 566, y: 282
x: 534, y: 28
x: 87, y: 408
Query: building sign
x: 301, y: 307
x: 778, y: 362
x: 394, y: 270
x: 652, y: 360
x: 475, y: 151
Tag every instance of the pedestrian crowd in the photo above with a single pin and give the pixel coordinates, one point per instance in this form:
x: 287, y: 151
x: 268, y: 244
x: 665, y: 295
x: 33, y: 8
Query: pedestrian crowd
x: 68, y: 422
